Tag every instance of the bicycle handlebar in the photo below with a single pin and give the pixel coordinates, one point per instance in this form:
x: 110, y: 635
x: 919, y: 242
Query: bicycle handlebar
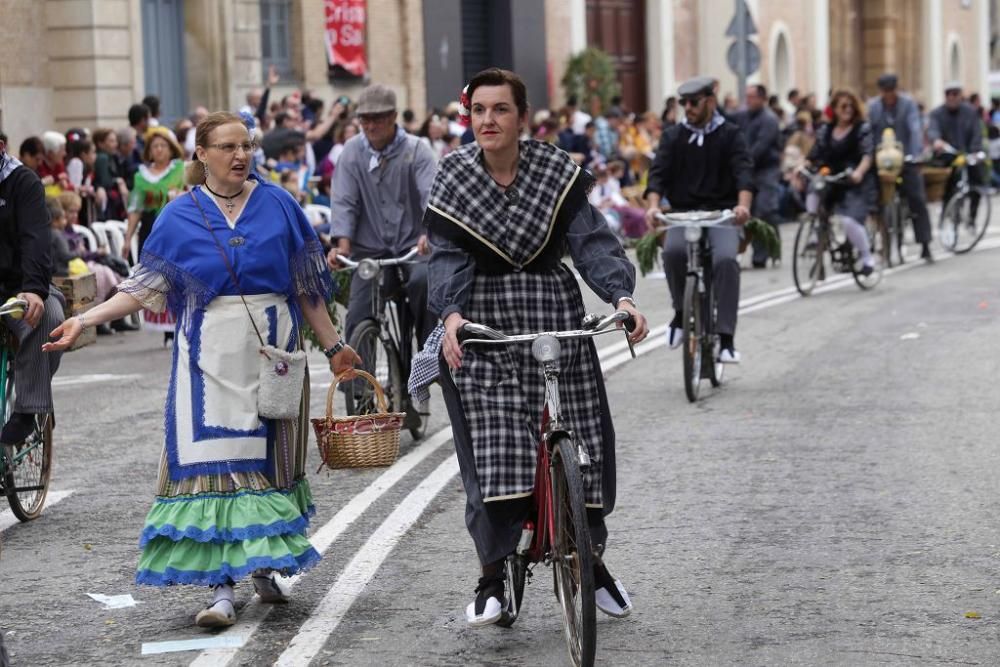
x: 472, y: 333
x: 14, y: 306
x: 696, y: 218
x: 351, y: 264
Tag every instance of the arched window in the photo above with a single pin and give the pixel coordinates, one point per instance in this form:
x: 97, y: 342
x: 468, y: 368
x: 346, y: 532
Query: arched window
x: 781, y: 70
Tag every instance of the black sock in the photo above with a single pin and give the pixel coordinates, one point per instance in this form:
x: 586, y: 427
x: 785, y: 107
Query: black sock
x: 678, y: 320
x: 726, y: 342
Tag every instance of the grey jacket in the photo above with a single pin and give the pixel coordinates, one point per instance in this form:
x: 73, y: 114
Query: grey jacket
x: 381, y: 211
x: 962, y: 128
x: 763, y: 135
x: 904, y: 119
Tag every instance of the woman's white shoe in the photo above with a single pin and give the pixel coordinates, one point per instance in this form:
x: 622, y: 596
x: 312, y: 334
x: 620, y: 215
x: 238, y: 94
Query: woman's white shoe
x: 268, y: 589
x: 220, y: 614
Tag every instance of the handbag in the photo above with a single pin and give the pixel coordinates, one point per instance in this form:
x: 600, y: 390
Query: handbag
x: 281, y: 373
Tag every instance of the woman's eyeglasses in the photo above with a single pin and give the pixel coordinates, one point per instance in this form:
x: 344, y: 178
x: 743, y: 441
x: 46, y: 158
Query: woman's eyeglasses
x: 229, y: 149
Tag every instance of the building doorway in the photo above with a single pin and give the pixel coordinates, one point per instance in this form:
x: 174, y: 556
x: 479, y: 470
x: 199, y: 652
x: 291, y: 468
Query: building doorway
x: 618, y: 28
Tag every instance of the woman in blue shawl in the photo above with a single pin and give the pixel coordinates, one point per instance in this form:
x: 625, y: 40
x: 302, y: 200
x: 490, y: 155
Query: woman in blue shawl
x: 232, y: 498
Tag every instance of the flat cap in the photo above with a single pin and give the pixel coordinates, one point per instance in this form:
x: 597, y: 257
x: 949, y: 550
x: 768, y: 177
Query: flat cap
x: 888, y: 81
x: 697, y: 85
x: 376, y: 98
x: 953, y: 85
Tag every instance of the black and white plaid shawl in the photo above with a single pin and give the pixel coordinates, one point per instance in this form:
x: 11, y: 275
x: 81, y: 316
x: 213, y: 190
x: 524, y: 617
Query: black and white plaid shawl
x: 467, y: 206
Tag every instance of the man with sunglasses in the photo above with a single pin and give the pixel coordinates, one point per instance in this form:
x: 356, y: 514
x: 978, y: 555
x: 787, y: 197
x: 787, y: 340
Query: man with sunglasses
x: 703, y: 163
x: 893, y: 109
x: 380, y: 190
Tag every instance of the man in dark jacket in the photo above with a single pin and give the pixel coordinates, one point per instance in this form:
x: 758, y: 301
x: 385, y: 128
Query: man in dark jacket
x: 957, y: 126
x: 703, y: 163
x: 763, y: 135
x: 25, y: 273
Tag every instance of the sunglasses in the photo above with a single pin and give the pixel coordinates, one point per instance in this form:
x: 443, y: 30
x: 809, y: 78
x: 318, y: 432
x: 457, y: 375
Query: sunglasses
x: 692, y: 100
x: 375, y: 117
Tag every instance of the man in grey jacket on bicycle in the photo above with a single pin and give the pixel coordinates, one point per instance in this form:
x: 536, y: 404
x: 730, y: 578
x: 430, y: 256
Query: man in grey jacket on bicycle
x: 898, y: 111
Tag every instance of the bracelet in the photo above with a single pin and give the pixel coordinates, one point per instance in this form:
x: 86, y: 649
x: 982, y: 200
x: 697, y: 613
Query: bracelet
x: 82, y: 320
x: 627, y: 299
x: 334, y: 349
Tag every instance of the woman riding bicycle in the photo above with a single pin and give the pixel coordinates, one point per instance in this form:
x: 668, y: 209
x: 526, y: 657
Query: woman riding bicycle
x: 847, y: 144
x: 502, y: 214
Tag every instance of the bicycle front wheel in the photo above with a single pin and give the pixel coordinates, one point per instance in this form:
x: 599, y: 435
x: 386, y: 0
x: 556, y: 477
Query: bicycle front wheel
x: 964, y: 221
x: 380, y: 359
x: 692, y: 340
x: 807, y: 258
x: 27, y: 467
x: 573, y: 555
x: 892, y: 235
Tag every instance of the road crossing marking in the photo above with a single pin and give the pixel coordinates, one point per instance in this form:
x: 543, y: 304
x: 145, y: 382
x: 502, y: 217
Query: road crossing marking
x: 7, y: 518
x: 74, y: 380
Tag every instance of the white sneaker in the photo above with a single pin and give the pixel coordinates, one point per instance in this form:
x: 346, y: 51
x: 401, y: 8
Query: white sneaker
x: 220, y: 614
x: 268, y: 588
x: 675, y: 336
x: 487, y: 608
x: 729, y: 356
x: 606, y: 602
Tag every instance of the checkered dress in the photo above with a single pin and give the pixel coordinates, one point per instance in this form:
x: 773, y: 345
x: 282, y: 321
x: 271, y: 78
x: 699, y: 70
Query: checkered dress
x: 520, y: 287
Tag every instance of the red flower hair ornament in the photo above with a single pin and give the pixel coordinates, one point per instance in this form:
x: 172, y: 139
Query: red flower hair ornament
x: 464, y: 104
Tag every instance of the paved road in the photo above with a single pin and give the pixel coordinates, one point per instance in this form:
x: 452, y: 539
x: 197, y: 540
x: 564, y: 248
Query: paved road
x: 833, y: 503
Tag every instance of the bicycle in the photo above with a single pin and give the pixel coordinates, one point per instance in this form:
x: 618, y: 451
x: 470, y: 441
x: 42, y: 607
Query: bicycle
x: 558, y: 535
x: 700, y: 308
x: 895, y: 215
x: 817, y: 238
x: 378, y: 339
x: 966, y: 214
x: 24, y: 469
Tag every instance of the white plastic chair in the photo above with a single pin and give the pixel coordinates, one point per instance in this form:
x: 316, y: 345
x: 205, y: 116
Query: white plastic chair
x: 87, y: 234
x: 116, y: 238
x: 313, y: 211
x: 101, y: 234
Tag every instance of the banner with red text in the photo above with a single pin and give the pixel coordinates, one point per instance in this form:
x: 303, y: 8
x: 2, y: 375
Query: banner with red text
x: 345, y: 35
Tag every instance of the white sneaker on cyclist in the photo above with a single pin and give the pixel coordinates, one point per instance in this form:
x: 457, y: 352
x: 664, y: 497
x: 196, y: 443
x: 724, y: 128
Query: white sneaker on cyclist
x: 610, y: 595
x: 487, y: 608
x: 675, y: 336
x: 727, y: 356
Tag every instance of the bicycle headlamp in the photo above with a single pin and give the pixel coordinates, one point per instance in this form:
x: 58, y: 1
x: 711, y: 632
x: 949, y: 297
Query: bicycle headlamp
x: 545, y: 349
x: 692, y: 233
x: 367, y: 269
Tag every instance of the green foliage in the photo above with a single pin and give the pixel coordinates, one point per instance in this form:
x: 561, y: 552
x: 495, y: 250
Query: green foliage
x: 591, y: 73
x: 758, y: 229
x: 341, y: 292
x: 647, y: 250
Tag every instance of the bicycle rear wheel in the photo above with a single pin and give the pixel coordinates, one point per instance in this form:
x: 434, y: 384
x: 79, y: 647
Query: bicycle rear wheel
x: 807, y: 258
x: 27, y: 467
x: 573, y: 555
x: 381, y: 359
x: 964, y: 221
x: 692, y: 343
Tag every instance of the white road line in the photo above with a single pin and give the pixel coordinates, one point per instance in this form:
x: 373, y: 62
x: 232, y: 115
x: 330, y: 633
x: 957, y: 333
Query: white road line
x: 74, y: 380
x: 325, y: 618
x: 352, y: 581
x: 7, y: 518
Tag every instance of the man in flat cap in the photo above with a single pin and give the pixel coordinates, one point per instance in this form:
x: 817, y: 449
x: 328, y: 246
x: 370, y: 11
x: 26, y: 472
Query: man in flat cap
x: 381, y: 186
x: 896, y: 110
x: 956, y: 126
x: 703, y: 163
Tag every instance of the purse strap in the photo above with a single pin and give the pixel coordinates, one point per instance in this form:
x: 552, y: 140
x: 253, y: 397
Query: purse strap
x: 229, y: 266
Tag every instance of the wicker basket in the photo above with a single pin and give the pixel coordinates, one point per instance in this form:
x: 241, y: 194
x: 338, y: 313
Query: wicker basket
x: 886, y: 186
x: 361, y: 441
x: 935, y: 181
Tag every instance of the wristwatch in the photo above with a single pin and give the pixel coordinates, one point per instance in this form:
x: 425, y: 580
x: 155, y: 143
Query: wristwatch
x: 334, y: 349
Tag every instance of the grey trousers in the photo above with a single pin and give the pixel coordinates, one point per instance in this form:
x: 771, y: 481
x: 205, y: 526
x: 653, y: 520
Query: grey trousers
x: 33, y: 369
x: 912, y: 190
x: 415, y: 286
x: 725, y: 271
